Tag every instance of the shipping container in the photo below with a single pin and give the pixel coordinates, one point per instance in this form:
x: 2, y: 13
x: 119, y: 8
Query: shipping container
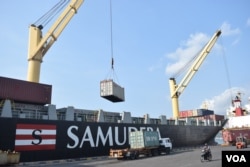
x: 195, y: 113
x: 183, y: 114
x: 111, y: 91
x: 186, y: 113
x: 143, y: 139
x: 203, y: 112
x: 213, y: 117
x: 216, y: 117
x: 24, y: 91
x: 190, y: 113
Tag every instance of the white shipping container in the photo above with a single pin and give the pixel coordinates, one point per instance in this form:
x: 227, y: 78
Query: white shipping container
x: 195, y: 112
x: 111, y: 91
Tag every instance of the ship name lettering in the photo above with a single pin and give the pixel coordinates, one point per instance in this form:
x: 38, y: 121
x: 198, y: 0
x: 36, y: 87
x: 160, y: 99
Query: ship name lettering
x: 112, y: 136
x: 100, y: 137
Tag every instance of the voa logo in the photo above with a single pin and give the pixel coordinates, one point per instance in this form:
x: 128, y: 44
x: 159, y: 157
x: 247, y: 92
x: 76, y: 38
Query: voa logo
x: 236, y: 158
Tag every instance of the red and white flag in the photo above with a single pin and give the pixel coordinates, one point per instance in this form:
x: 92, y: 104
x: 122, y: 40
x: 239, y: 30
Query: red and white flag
x: 35, y: 137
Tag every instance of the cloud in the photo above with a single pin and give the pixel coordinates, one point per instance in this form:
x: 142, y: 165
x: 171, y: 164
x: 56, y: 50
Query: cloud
x: 222, y: 102
x: 235, y: 42
x: 248, y: 22
x: 156, y: 66
x: 185, y: 52
x: 228, y: 31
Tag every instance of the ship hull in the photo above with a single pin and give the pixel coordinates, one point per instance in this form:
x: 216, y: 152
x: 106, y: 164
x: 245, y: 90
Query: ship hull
x: 236, y: 126
x: 39, y: 140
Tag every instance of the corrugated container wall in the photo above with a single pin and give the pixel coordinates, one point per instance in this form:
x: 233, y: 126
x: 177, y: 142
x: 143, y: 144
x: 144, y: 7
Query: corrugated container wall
x: 111, y: 91
x: 144, y: 139
x: 24, y: 91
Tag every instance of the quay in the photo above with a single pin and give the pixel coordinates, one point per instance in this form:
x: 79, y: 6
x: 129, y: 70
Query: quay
x: 184, y: 157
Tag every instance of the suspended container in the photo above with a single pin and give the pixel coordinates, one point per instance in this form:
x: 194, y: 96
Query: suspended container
x: 111, y: 91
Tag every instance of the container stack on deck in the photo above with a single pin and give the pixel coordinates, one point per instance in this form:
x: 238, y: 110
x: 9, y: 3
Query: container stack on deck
x: 195, y: 113
x: 24, y: 91
x: 201, y: 114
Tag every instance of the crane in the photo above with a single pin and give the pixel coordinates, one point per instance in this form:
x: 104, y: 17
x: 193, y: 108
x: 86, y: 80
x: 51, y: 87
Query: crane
x: 39, y: 45
x: 177, y: 89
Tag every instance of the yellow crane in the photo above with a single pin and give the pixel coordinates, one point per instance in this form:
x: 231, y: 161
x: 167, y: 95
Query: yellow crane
x: 39, y: 45
x: 177, y: 89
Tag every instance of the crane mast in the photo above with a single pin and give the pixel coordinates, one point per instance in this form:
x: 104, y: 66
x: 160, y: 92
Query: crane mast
x: 39, y: 45
x: 177, y: 89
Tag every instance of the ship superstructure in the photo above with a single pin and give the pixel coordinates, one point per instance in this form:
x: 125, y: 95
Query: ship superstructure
x: 238, y: 122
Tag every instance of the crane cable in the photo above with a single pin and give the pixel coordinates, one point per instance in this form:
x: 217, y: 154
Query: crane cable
x: 111, y: 36
x: 112, y: 73
x: 227, y: 73
x: 186, y: 66
x: 48, y: 16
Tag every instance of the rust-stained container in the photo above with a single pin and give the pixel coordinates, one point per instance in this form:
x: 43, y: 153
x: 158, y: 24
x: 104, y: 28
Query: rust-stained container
x: 111, y: 91
x: 24, y: 91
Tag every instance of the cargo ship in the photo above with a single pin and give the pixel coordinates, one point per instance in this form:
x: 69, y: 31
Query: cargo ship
x: 238, y: 123
x: 33, y: 126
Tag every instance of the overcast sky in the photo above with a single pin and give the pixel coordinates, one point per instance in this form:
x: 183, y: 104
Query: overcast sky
x: 152, y: 41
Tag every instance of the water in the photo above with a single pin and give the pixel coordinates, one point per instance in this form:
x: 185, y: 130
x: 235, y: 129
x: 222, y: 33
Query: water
x: 218, y: 138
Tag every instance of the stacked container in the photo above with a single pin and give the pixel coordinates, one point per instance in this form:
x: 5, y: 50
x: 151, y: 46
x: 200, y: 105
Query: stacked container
x: 214, y: 117
x: 24, y: 91
x: 203, y: 112
x: 195, y: 113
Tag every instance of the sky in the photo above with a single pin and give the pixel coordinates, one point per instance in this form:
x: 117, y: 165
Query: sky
x: 151, y: 40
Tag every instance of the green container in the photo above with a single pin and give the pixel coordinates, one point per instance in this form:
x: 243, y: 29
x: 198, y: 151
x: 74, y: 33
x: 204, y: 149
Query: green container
x: 144, y: 139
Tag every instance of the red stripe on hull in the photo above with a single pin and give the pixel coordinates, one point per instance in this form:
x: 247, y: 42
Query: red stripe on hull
x: 36, y: 126
x: 35, y: 147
